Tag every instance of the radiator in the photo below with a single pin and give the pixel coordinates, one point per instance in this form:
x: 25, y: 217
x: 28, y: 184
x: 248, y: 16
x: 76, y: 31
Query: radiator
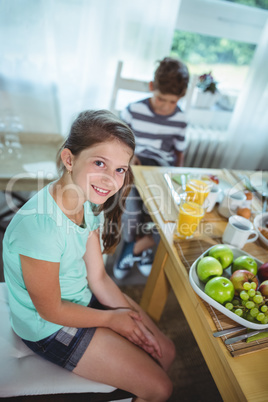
x: 204, y: 146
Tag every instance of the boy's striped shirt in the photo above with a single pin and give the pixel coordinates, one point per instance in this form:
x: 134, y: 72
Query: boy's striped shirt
x: 157, y: 137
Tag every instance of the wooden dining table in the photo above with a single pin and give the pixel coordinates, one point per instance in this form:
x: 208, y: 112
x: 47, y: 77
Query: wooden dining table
x: 240, y: 374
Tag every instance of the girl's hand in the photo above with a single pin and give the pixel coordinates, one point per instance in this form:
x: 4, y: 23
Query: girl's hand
x: 151, y: 346
x: 125, y: 321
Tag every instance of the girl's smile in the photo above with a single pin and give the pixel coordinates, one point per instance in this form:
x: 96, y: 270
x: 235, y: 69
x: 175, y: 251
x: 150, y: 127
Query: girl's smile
x: 101, y: 191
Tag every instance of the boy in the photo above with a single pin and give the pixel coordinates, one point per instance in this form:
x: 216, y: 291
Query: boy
x: 159, y: 127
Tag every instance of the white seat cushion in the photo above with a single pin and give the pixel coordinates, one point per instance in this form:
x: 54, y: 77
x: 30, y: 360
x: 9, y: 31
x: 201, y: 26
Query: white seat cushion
x: 22, y: 372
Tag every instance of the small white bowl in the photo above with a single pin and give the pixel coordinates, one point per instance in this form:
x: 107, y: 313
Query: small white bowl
x: 261, y: 220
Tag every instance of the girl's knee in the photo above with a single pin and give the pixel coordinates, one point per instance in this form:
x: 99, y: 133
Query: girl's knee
x: 169, y: 354
x: 171, y: 351
x: 166, y: 390
x: 161, y: 391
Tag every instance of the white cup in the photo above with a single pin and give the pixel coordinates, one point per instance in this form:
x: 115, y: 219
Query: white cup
x: 238, y: 230
x: 232, y: 199
x: 212, y: 198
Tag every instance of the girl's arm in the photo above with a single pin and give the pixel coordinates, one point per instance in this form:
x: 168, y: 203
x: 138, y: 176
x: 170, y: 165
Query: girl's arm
x: 179, y: 158
x: 108, y: 293
x: 100, y: 283
x: 42, y: 282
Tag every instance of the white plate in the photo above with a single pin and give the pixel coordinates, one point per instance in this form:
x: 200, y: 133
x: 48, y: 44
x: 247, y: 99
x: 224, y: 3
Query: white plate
x: 225, y: 212
x: 199, y: 287
x: 259, y: 181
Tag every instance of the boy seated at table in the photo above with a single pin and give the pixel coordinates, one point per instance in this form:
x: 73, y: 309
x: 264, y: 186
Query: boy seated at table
x: 159, y: 127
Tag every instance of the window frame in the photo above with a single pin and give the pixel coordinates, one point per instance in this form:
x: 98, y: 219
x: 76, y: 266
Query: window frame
x: 222, y: 19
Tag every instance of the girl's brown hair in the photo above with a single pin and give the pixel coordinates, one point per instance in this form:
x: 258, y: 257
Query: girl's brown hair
x: 92, y: 127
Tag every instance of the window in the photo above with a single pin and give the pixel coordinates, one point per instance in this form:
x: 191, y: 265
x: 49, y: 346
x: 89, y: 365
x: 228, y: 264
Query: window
x: 219, y: 36
x: 252, y: 3
x: 228, y: 60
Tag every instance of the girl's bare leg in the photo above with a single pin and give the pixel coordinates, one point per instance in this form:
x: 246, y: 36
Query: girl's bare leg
x: 113, y: 360
x: 167, y: 346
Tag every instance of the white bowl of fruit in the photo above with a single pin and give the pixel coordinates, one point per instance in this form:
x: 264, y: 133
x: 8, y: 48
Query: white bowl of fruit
x: 234, y: 282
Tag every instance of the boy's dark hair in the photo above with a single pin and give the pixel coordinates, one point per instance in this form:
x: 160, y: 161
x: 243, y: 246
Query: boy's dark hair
x: 171, y: 77
x: 93, y: 127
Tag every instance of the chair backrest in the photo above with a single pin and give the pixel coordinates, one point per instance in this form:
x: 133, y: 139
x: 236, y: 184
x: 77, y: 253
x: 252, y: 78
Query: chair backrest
x: 127, y: 84
x: 187, y: 100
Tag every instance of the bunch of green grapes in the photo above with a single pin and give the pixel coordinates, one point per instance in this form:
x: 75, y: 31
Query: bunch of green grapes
x: 250, y: 304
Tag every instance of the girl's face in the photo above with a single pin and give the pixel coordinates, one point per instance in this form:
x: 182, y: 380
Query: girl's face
x: 99, y: 171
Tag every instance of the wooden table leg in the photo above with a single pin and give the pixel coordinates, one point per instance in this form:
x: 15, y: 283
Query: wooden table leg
x: 157, y: 287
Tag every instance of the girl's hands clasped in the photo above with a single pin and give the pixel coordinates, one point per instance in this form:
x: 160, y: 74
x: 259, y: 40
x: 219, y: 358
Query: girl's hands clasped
x: 128, y: 323
x: 152, y: 346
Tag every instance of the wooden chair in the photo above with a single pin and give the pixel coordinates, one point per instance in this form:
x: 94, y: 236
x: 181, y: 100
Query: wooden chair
x: 23, y: 373
x: 128, y: 84
x: 187, y: 100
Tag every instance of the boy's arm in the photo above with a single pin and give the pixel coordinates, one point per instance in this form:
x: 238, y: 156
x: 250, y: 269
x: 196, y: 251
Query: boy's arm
x: 179, y: 158
x: 135, y: 160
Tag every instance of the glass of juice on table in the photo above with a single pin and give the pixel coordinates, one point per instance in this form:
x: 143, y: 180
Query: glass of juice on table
x: 200, y: 189
x: 190, y: 214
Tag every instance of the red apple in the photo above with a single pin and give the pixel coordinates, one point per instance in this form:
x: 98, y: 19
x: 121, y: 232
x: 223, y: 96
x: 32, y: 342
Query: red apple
x: 241, y: 276
x: 264, y: 289
x: 263, y: 272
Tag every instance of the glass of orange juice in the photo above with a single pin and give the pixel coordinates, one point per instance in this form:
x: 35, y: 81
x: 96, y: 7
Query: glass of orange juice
x: 200, y: 189
x: 190, y: 214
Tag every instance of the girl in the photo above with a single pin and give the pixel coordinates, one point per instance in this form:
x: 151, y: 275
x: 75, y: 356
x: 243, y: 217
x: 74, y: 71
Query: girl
x: 63, y: 304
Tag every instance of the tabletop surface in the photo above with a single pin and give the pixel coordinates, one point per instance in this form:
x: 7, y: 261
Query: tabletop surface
x: 244, y: 376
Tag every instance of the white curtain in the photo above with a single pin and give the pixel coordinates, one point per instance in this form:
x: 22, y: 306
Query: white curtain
x: 59, y: 57
x: 248, y: 131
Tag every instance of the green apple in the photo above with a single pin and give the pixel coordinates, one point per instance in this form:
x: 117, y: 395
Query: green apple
x: 207, y: 268
x: 245, y: 262
x: 223, y: 254
x: 220, y: 289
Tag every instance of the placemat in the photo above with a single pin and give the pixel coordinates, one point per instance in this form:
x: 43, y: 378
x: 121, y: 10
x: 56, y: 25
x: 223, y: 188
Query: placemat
x: 188, y: 251
x: 211, y: 226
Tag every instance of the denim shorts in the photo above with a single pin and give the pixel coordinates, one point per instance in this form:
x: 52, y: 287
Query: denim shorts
x: 66, y: 346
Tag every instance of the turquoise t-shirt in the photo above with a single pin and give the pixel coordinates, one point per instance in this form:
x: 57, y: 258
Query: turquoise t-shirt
x: 42, y: 231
